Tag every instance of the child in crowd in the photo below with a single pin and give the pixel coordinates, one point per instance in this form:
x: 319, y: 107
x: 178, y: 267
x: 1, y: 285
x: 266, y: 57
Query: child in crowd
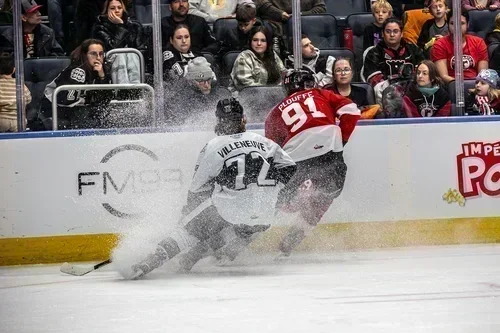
x: 8, y: 106
x: 237, y: 38
x: 381, y: 11
x: 434, y: 28
x: 484, y: 98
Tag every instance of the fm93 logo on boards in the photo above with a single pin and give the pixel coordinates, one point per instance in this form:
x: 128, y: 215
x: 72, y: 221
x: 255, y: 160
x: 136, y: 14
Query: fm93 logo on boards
x: 128, y: 177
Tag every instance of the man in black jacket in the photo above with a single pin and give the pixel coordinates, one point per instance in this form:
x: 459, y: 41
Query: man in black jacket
x: 39, y: 40
x: 202, y: 39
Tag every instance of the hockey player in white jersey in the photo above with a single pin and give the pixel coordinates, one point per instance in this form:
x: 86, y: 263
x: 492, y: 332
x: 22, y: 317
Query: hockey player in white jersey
x: 233, y: 193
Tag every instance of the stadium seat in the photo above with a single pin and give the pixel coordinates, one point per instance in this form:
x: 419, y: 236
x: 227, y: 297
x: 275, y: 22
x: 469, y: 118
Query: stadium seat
x: 258, y: 101
x: 492, y: 48
x: 144, y: 12
x: 222, y: 26
x: 358, y: 22
x: 321, y: 30
x: 38, y: 72
x: 342, y: 9
x: 468, y: 84
x: 482, y: 21
x: 338, y: 52
x: 228, y: 61
x: 370, y: 94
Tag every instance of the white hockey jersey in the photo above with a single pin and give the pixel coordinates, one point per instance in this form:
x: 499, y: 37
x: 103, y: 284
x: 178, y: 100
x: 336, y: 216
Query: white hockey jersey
x: 241, y: 176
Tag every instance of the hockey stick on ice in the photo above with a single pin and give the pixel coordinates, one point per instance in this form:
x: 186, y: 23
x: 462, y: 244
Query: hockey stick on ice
x: 78, y: 270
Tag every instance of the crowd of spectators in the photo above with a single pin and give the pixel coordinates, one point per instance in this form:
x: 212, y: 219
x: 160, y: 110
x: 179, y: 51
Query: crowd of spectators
x: 409, y: 75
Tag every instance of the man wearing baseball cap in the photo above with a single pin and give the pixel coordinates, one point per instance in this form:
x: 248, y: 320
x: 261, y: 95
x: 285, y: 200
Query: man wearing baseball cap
x: 39, y: 39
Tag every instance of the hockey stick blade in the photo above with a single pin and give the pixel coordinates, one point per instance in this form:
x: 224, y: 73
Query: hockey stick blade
x: 78, y: 270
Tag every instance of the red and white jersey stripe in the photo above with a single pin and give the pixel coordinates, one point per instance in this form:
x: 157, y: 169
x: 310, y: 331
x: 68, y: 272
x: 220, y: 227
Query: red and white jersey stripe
x: 304, y: 123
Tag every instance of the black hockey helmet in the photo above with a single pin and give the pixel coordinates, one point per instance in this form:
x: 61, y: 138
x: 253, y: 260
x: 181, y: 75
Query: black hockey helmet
x: 298, y: 79
x: 229, y: 109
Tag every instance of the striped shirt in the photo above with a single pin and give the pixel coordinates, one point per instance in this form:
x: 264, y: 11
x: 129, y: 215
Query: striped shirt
x: 8, y: 107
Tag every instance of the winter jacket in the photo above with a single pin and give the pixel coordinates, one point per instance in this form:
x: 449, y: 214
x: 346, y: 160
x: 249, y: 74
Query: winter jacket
x: 174, y: 63
x: 481, y: 106
x: 383, y: 63
x: 404, y: 100
x: 202, y: 39
x: 77, y: 74
x: 248, y: 70
x: 273, y: 9
x: 320, y: 65
x: 129, y: 34
x: 94, y: 101
x: 45, y: 44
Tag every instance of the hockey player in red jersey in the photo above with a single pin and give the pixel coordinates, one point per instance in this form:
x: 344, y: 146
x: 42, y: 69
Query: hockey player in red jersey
x: 304, y: 124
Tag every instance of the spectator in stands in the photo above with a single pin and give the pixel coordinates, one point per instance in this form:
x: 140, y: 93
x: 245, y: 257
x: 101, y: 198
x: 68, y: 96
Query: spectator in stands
x: 343, y: 74
x: 475, y: 52
x: 484, y: 99
x: 494, y: 36
x: 87, y: 67
x: 199, y: 88
x: 480, y: 5
x: 278, y: 12
x: 86, y: 15
x: 435, y: 28
x: 202, y: 39
x: 259, y: 65
x: 320, y: 65
x: 117, y: 30
x: 211, y: 11
x: 8, y: 106
x: 423, y: 96
x: 178, y: 54
x: 39, y: 40
x: 381, y: 11
x: 237, y: 38
x: 391, y: 60
x: 6, y: 12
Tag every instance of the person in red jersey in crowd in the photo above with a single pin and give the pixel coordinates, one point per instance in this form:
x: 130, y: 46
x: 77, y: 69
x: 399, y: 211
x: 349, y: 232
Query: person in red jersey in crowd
x: 304, y: 124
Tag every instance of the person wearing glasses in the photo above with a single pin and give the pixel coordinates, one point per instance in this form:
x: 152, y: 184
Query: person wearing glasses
x: 87, y: 67
x: 391, y: 60
x: 199, y: 87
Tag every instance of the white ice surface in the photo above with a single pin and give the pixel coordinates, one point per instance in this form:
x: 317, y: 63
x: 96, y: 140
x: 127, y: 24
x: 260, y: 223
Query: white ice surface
x: 432, y: 289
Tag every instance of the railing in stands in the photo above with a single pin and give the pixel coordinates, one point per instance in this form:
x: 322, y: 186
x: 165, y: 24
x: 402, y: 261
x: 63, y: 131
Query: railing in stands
x: 130, y: 50
x: 86, y: 87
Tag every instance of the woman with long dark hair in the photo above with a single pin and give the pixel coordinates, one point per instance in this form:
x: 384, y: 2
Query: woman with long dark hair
x: 87, y: 67
x: 259, y: 65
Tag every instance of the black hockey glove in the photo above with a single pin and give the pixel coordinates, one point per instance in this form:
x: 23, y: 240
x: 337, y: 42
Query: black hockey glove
x: 246, y: 231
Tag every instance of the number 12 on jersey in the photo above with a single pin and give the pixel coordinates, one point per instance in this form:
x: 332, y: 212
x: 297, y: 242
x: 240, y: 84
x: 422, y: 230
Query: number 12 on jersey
x: 294, y: 114
x: 246, y: 169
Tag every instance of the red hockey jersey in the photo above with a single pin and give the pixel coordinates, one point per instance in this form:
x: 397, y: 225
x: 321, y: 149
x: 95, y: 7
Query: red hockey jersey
x: 304, y: 123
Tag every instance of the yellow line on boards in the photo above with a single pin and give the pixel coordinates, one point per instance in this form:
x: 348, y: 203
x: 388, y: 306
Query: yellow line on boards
x: 326, y: 237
